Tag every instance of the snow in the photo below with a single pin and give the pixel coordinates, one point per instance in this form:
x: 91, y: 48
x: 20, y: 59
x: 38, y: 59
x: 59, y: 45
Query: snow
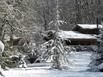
x: 34, y: 73
x: 74, y: 35
x: 1, y: 47
x: 80, y: 61
x: 89, y: 26
x: 58, y: 21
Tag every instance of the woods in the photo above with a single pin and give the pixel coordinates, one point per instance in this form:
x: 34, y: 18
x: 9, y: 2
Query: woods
x: 55, y: 32
x: 36, y: 15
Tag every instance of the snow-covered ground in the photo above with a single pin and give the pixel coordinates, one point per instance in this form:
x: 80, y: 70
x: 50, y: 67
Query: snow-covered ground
x: 80, y: 61
x: 78, y: 68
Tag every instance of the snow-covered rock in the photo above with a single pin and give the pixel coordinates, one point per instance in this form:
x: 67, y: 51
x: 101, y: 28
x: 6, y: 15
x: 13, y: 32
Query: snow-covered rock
x: 1, y: 47
x: 100, y: 67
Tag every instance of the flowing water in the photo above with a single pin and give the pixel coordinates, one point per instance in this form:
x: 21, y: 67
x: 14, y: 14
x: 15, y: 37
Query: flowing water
x: 78, y: 68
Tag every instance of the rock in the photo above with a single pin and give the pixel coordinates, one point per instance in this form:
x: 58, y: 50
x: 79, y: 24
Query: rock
x: 100, y: 67
x: 93, y: 69
x: 33, y: 56
x: 48, y: 35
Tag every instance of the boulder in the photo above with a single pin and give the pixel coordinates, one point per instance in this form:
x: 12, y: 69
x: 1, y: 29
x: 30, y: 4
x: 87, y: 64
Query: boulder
x: 1, y: 47
x: 100, y: 67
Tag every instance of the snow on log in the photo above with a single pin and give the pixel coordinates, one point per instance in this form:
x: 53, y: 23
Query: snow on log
x: 76, y: 38
x: 89, y: 26
x: 74, y: 35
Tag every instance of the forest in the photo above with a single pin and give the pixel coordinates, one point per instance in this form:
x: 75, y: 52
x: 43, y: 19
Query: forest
x: 44, y: 38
